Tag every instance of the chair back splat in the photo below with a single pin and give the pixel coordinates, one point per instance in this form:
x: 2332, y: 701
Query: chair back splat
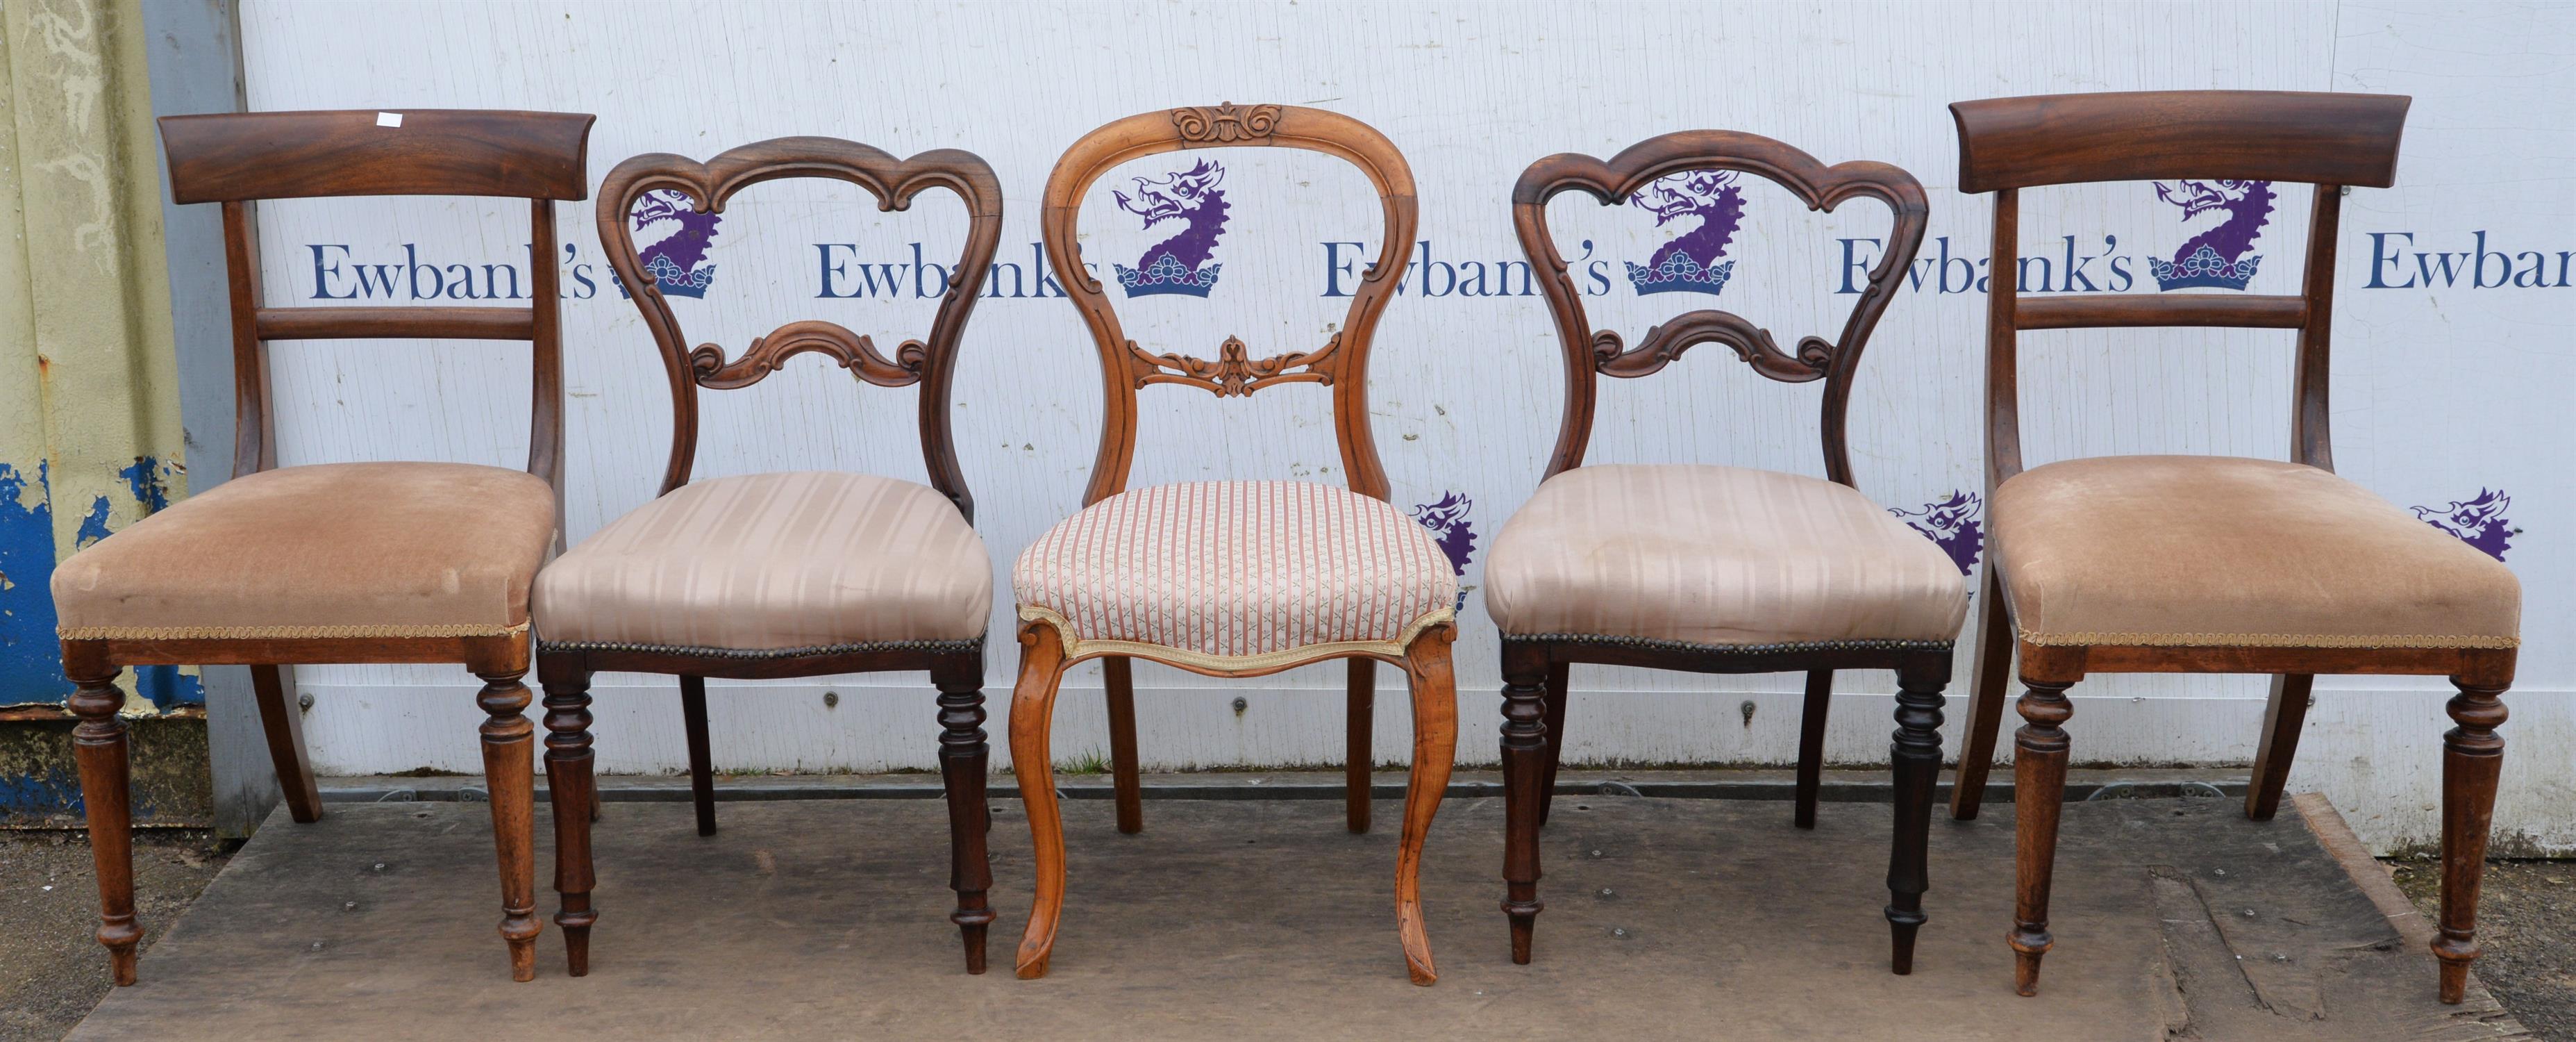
x: 1690, y: 152
x: 2228, y: 137
x: 238, y: 159
x: 1342, y: 360
x: 930, y: 363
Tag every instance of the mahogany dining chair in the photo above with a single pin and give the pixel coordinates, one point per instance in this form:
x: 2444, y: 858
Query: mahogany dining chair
x: 1234, y: 578
x: 2204, y: 564
x: 338, y: 562
x: 799, y: 574
x: 1716, y: 569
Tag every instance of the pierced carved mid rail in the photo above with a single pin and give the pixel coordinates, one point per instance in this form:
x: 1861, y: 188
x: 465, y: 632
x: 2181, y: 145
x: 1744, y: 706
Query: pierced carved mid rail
x: 1235, y: 374
x: 854, y: 351
x: 1752, y: 343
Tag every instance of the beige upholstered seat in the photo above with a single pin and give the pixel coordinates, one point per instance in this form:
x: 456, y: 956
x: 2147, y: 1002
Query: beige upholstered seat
x: 2207, y: 550
x: 329, y: 550
x: 1238, y: 574
x: 773, y: 562
x: 1719, y: 556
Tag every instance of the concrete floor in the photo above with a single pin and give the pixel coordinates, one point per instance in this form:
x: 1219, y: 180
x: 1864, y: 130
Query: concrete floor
x: 1667, y: 918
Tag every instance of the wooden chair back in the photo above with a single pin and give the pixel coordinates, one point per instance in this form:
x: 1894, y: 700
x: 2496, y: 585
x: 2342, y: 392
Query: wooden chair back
x: 930, y: 363
x: 2326, y: 140
x: 1589, y: 353
x: 238, y: 159
x: 1340, y: 363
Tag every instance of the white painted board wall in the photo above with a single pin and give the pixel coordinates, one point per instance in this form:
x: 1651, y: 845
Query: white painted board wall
x: 2445, y: 389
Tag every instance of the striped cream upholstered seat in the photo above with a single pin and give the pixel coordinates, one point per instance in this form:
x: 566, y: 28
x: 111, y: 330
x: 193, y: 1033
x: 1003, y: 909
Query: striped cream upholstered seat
x: 773, y: 563
x: 1237, y: 574
x: 1690, y: 554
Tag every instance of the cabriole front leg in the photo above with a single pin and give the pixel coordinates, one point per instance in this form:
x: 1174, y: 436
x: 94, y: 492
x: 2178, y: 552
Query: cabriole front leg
x: 1435, y: 751
x: 1032, y: 724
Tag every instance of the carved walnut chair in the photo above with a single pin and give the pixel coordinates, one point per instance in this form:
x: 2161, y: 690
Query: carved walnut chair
x: 1713, y: 569
x: 1234, y: 578
x: 2196, y: 564
x: 781, y: 575
x: 338, y: 562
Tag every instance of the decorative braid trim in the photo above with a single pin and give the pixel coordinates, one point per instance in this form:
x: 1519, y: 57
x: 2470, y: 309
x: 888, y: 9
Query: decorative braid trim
x: 1650, y: 644
x: 936, y: 647
x: 284, y: 632
x: 2264, y: 640
x: 1075, y: 647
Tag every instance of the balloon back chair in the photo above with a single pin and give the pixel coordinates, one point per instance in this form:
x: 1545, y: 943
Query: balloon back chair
x: 338, y: 562
x: 1712, y: 569
x: 780, y: 575
x: 2200, y: 564
x: 1233, y: 578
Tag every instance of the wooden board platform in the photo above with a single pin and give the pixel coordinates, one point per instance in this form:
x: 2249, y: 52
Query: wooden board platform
x: 1667, y: 918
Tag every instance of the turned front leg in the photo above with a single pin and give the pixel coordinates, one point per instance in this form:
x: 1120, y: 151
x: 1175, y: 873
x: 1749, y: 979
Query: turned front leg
x: 964, y: 757
x: 2039, y: 794
x: 573, y: 794
x: 98, y: 745
x: 1915, y: 760
x: 509, y: 773
x: 1525, y: 741
x: 2472, y: 758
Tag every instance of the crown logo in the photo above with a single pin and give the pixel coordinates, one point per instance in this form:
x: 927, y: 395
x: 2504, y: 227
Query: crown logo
x: 1679, y: 274
x: 2203, y: 268
x: 1167, y: 275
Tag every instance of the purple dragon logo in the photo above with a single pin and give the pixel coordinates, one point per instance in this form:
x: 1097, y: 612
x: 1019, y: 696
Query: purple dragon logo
x: 2221, y: 256
x: 676, y: 255
x: 1178, y: 264
x: 1447, y: 520
x: 2479, y: 522
x: 1952, y: 525
x: 1689, y: 263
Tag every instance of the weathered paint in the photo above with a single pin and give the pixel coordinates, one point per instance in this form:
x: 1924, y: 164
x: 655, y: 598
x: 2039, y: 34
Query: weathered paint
x: 30, y: 662
x: 40, y: 788
x: 88, y: 390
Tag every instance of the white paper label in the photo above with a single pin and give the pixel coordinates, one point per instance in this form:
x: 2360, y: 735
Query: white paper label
x: 389, y: 119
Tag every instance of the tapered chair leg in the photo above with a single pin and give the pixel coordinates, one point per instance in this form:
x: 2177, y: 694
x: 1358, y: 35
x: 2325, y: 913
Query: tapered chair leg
x: 1557, y: 695
x: 702, y: 774
x: 1118, y: 674
x: 1914, y: 758
x: 2472, y: 759
x: 1358, y: 726
x: 964, y: 758
x: 2282, y: 719
x: 99, y: 747
x: 282, y: 720
x: 1811, y: 746
x: 1032, y: 727
x: 2039, y: 794
x: 509, y: 774
x: 1435, y: 752
x: 1989, y: 687
x: 573, y: 794
x: 1525, y: 741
